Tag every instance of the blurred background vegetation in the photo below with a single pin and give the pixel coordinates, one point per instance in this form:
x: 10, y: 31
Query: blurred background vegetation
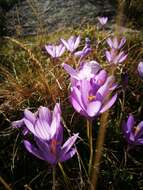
x: 133, y: 12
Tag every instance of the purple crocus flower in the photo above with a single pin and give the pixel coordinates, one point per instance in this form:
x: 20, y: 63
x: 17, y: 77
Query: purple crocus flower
x: 132, y: 133
x: 103, y: 20
x: 87, y: 70
x: 43, y: 124
x: 91, y: 97
x: 55, y: 50
x: 85, y: 51
x: 140, y: 69
x: 52, y: 150
x: 72, y: 43
x: 113, y: 57
x: 115, y: 43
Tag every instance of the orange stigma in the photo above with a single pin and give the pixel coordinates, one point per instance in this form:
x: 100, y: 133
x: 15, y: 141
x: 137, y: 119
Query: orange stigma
x: 53, y: 146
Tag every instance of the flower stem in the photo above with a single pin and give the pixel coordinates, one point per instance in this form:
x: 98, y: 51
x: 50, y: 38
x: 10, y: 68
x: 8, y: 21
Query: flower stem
x: 89, y: 135
x: 54, y: 178
x: 66, y: 179
x: 99, y: 150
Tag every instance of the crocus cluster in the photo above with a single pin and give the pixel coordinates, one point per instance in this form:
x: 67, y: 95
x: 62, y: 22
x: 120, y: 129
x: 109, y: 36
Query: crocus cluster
x: 47, y: 129
x: 115, y: 55
x: 56, y: 51
x: 133, y: 133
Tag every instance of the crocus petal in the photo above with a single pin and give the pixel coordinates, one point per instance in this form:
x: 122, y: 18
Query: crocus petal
x: 76, y: 94
x: 65, y: 44
x: 85, y: 90
x: 115, y: 43
x: 69, y: 143
x: 29, y: 115
x: 33, y: 150
x: 49, y: 50
x: 59, y: 135
x: 78, y: 53
x: 139, y: 141
x: 140, y: 69
x: 139, y: 130
x: 72, y: 72
x: 42, y: 129
x: 110, y: 43
x: 29, y: 125
x: 57, y: 110
x: 95, y: 67
x: 75, y: 104
x: 54, y: 126
x: 122, y: 42
x: 76, y: 44
x: 62, y: 50
x: 45, y: 149
x: 108, y: 56
x: 123, y: 58
x: 120, y: 57
x: 101, y: 77
x: 59, y: 50
x: 45, y: 114
x: 130, y: 124
x: 103, y: 90
x: 109, y: 104
x: 68, y: 155
x: 18, y: 124
x: 93, y: 108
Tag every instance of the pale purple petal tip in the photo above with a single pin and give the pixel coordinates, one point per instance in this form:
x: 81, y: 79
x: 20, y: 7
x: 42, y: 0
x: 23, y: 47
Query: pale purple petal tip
x: 93, y: 108
x: 109, y: 104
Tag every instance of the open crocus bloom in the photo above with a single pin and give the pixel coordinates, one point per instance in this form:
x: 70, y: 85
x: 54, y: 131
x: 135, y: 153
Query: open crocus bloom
x: 43, y: 124
x: 91, y: 97
x: 55, y: 51
x: 103, y: 20
x: 132, y: 133
x: 87, y: 70
x: 53, y: 151
x: 113, y: 57
x: 115, y: 43
x: 140, y: 69
x: 72, y: 43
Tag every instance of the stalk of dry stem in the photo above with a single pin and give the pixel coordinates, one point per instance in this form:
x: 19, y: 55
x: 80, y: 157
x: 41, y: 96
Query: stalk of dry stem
x: 99, y: 150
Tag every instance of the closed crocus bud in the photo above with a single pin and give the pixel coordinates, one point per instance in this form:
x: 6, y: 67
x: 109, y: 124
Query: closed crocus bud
x: 140, y: 69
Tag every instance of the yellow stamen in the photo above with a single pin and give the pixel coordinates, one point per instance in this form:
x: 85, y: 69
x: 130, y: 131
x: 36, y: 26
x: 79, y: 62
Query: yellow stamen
x: 90, y: 98
x: 136, y: 130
